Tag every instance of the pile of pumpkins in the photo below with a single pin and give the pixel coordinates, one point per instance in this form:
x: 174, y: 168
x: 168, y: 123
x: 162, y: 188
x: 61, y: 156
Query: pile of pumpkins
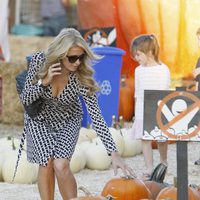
x: 26, y: 172
x: 128, y: 188
x: 90, y: 152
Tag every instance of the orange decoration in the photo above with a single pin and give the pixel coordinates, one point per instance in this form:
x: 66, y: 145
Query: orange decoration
x: 174, y: 24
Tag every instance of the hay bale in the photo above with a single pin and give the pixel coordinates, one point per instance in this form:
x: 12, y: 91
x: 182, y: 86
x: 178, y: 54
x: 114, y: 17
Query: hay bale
x: 20, y: 47
x: 12, y: 109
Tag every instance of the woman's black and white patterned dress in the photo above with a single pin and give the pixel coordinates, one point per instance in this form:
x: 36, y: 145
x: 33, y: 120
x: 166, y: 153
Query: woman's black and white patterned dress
x: 54, y: 132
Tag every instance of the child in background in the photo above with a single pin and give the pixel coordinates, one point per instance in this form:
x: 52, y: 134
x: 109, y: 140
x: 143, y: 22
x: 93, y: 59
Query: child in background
x: 151, y: 74
x: 196, y: 74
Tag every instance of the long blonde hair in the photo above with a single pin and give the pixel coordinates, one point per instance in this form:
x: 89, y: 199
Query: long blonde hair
x: 58, y: 50
x: 145, y: 44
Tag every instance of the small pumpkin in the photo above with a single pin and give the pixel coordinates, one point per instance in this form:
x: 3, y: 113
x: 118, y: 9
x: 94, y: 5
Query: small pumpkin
x: 26, y: 172
x: 154, y: 188
x: 155, y: 146
x: 126, y: 101
x: 128, y: 188
x: 132, y: 147
x: 86, y: 134
x: 118, y: 139
x: 171, y: 192
x: 96, y: 155
x: 8, y: 145
x: 78, y: 160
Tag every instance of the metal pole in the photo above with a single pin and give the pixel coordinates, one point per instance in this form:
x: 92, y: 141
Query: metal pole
x: 182, y: 165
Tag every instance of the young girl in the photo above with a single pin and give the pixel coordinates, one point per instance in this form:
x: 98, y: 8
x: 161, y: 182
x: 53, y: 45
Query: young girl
x: 196, y: 74
x: 151, y: 74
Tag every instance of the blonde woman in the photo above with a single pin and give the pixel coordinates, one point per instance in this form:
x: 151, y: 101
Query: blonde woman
x: 59, y: 76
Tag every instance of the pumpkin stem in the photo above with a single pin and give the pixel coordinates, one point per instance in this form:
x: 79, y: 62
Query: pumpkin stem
x: 9, y: 137
x: 129, y: 177
x: 121, y: 121
x: 86, y: 192
x: 114, y: 123
x: 175, y: 182
x: 13, y: 144
x: 123, y: 81
x: 110, y: 197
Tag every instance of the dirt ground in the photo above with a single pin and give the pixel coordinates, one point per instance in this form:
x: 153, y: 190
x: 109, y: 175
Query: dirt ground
x: 95, y: 180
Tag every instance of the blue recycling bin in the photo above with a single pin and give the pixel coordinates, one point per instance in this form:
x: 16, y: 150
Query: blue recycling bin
x: 107, y: 74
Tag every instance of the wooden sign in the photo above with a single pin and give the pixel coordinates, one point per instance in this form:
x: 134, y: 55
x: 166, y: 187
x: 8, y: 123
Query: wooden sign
x: 171, y: 115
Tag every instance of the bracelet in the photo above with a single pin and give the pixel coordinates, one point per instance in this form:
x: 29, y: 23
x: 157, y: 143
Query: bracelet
x: 39, y: 82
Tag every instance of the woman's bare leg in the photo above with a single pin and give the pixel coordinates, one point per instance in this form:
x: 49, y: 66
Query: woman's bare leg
x: 46, y: 181
x: 65, y: 178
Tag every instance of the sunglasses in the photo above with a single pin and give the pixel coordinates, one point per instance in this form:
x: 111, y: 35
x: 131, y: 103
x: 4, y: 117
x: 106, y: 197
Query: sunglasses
x: 73, y: 59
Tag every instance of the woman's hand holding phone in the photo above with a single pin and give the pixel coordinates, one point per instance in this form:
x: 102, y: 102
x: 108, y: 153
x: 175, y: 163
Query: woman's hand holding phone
x: 53, y: 70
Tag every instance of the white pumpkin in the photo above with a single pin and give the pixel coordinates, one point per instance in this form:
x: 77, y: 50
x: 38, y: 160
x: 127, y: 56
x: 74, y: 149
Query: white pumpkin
x: 26, y: 172
x: 131, y: 147
x: 7, y: 147
x: 85, y: 145
x: 1, y: 164
x: 118, y: 139
x: 5, y: 151
x: 78, y: 160
x: 11, y: 142
x: 86, y: 134
x: 97, y: 157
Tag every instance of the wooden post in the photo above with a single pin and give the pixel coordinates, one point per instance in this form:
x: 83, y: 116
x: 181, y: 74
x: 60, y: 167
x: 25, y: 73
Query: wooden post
x: 182, y: 166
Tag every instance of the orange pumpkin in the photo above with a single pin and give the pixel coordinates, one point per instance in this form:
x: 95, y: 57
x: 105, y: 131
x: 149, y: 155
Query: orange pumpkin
x: 155, y: 146
x: 126, y: 188
x: 94, y: 17
x: 171, y: 192
x: 154, y: 188
x: 126, y: 101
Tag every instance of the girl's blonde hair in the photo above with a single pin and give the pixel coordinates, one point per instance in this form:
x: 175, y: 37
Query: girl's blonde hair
x: 145, y: 44
x: 58, y: 50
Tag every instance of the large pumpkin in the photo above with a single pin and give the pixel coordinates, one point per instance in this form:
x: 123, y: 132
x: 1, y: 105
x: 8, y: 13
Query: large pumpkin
x: 174, y: 23
x: 97, y: 15
x: 126, y: 188
x: 171, y: 192
x: 154, y: 188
